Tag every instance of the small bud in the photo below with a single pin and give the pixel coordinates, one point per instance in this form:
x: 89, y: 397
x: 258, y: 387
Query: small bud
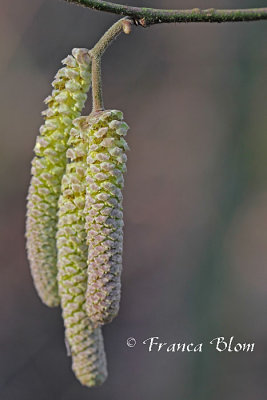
x: 127, y: 26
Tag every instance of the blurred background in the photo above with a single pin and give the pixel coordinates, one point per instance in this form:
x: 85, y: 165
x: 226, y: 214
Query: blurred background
x: 195, y: 202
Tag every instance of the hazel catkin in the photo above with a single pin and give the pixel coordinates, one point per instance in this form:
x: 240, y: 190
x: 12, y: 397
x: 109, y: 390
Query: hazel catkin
x: 66, y: 102
x: 85, y: 341
x: 106, y: 163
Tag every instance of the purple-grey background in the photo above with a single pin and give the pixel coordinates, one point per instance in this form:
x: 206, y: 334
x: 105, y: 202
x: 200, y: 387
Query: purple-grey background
x: 195, y: 202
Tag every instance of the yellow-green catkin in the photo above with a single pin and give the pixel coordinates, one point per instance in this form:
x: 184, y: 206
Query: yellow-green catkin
x: 66, y: 102
x: 106, y: 163
x: 84, y: 340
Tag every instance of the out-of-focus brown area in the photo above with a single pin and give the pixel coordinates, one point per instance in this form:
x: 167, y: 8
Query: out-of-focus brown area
x: 195, y: 203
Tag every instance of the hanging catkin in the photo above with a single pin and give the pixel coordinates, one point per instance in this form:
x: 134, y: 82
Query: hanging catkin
x: 106, y: 163
x: 66, y: 102
x: 85, y: 341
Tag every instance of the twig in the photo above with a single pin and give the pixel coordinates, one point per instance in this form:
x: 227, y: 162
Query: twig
x: 150, y: 16
x: 97, y: 52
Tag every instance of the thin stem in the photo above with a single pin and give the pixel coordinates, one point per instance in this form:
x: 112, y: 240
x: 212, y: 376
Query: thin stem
x: 149, y: 16
x: 97, y: 52
x: 98, y: 103
x: 108, y: 37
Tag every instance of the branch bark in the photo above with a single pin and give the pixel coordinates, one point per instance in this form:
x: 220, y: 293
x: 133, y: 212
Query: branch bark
x: 151, y: 16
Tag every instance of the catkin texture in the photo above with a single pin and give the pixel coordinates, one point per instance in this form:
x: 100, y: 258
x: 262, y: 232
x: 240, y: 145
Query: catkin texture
x: 66, y: 102
x: 85, y: 341
x: 106, y: 163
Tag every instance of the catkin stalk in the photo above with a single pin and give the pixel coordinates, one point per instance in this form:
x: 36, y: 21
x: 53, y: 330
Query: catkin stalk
x: 66, y: 102
x: 106, y: 163
x: 85, y: 341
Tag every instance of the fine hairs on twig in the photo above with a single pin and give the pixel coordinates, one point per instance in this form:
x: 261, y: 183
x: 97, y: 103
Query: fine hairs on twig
x: 123, y: 25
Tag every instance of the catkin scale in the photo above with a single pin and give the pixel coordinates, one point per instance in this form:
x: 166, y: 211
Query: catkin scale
x: 85, y: 341
x: 106, y: 163
x: 71, y: 84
